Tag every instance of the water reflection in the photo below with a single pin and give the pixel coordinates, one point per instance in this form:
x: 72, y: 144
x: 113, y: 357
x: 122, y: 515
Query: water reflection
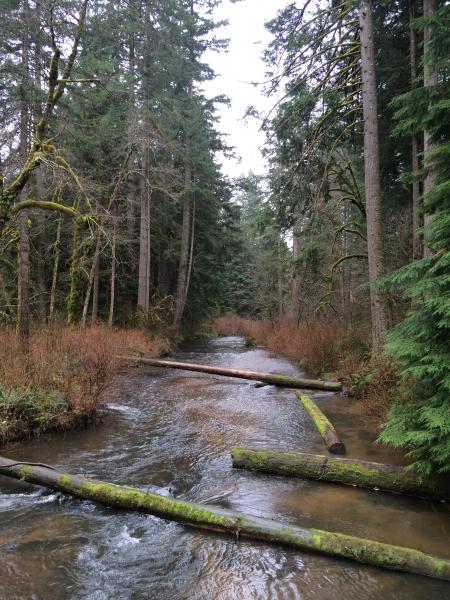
x: 173, y: 431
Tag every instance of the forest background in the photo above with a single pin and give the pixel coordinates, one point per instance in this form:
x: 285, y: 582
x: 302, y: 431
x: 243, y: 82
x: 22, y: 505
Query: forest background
x: 114, y: 208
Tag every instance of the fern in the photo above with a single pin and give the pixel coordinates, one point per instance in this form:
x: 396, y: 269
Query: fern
x: 422, y: 340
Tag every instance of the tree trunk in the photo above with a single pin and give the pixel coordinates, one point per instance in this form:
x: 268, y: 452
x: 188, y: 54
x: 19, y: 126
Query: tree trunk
x: 280, y: 279
x: 144, y: 242
x: 372, y: 175
x: 74, y: 274
x: 8, y: 301
x: 429, y: 80
x: 113, y: 280
x: 324, y: 426
x: 237, y: 524
x: 131, y: 191
x: 183, y: 267
x: 94, y: 268
x: 416, y: 202
x: 95, y: 291
x: 270, y: 378
x: 191, y: 255
x: 144, y: 236
x: 41, y: 280
x: 296, y: 280
x: 359, y: 473
x: 55, y: 271
x: 23, y: 310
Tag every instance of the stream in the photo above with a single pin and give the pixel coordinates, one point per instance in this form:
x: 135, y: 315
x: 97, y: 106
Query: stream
x: 172, y: 431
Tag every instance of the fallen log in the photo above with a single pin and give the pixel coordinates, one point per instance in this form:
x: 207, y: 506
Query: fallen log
x: 227, y: 521
x: 324, y: 427
x: 269, y: 378
x: 358, y: 473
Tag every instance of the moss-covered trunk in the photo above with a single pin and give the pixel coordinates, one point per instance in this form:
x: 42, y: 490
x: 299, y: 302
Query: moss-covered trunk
x: 324, y: 426
x: 352, y: 472
x: 227, y: 521
x: 270, y: 378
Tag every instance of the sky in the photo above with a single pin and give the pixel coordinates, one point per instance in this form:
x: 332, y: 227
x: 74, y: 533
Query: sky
x: 235, y: 70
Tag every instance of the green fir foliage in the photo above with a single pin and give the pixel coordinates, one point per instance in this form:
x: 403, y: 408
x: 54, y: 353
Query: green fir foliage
x: 422, y: 340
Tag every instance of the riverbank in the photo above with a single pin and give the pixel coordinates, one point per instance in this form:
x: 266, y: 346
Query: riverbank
x: 59, y: 381
x: 172, y: 432
x: 328, y: 349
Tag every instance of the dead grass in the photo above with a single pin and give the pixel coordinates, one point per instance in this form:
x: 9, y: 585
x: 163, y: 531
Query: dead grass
x: 319, y: 346
x: 327, y: 348
x: 61, y: 378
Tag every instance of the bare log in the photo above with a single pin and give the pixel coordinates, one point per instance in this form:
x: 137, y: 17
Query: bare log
x: 357, y: 473
x: 324, y: 427
x: 269, y: 378
x: 227, y: 521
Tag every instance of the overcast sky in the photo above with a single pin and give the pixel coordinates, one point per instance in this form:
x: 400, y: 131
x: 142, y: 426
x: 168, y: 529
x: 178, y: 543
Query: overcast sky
x: 236, y: 69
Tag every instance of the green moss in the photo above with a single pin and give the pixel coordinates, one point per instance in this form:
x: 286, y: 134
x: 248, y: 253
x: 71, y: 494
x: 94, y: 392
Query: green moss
x: 65, y: 481
x: 133, y: 498
x: 32, y: 410
x: 377, y: 553
x: 341, y: 545
x: 25, y: 471
x: 253, y: 460
x: 319, y: 419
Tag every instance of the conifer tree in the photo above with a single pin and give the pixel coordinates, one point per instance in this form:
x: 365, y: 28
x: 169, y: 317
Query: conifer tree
x: 421, y: 423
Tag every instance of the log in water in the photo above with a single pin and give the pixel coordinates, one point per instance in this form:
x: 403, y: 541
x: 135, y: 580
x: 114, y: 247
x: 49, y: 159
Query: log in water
x: 227, y: 521
x: 359, y: 473
x: 324, y: 426
x: 269, y: 378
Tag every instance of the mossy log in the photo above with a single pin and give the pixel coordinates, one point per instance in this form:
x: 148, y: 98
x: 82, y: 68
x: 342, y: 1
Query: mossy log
x: 268, y: 378
x: 324, y: 427
x: 358, y: 473
x: 234, y: 523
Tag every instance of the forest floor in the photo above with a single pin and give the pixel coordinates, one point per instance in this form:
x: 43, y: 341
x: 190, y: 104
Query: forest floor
x: 59, y: 380
x: 329, y: 349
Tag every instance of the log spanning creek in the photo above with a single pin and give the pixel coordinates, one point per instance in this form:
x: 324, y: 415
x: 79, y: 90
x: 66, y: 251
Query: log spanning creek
x: 171, y: 432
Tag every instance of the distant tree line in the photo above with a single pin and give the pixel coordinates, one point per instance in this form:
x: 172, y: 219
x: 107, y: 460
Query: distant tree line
x: 113, y: 206
x: 356, y: 222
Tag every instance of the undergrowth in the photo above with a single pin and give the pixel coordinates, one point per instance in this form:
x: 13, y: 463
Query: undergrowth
x: 375, y: 381
x: 59, y: 381
x: 330, y: 349
x: 319, y: 346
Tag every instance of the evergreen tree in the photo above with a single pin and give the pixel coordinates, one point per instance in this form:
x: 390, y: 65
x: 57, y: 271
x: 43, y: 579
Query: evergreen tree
x: 421, y: 341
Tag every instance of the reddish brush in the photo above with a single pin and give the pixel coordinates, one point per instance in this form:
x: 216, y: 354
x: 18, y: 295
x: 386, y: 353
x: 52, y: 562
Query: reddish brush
x: 318, y: 346
x: 60, y: 379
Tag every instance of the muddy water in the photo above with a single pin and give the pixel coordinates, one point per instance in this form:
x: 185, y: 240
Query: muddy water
x: 173, y: 431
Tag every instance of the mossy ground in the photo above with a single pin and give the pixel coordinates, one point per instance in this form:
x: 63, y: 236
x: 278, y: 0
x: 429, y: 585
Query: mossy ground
x: 31, y: 411
x: 58, y: 380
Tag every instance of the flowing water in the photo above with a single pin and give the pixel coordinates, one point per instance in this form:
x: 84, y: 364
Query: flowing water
x: 173, y: 431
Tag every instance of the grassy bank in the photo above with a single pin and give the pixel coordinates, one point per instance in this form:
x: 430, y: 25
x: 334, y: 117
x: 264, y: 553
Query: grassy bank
x: 60, y: 381
x: 328, y: 349
x: 320, y: 347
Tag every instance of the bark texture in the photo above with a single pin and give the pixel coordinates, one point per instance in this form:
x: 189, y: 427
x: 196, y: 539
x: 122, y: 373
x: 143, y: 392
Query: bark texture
x: 324, y: 426
x: 186, y: 244
x: 234, y: 523
x: 57, y: 247
x: 23, y: 310
x: 296, y: 278
x: 372, y: 175
x: 416, y: 201
x: 269, y: 378
x: 359, y: 473
x: 429, y: 80
x: 146, y: 191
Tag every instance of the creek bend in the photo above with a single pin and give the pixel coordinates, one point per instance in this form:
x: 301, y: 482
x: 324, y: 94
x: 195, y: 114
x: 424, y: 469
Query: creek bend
x: 172, y: 431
